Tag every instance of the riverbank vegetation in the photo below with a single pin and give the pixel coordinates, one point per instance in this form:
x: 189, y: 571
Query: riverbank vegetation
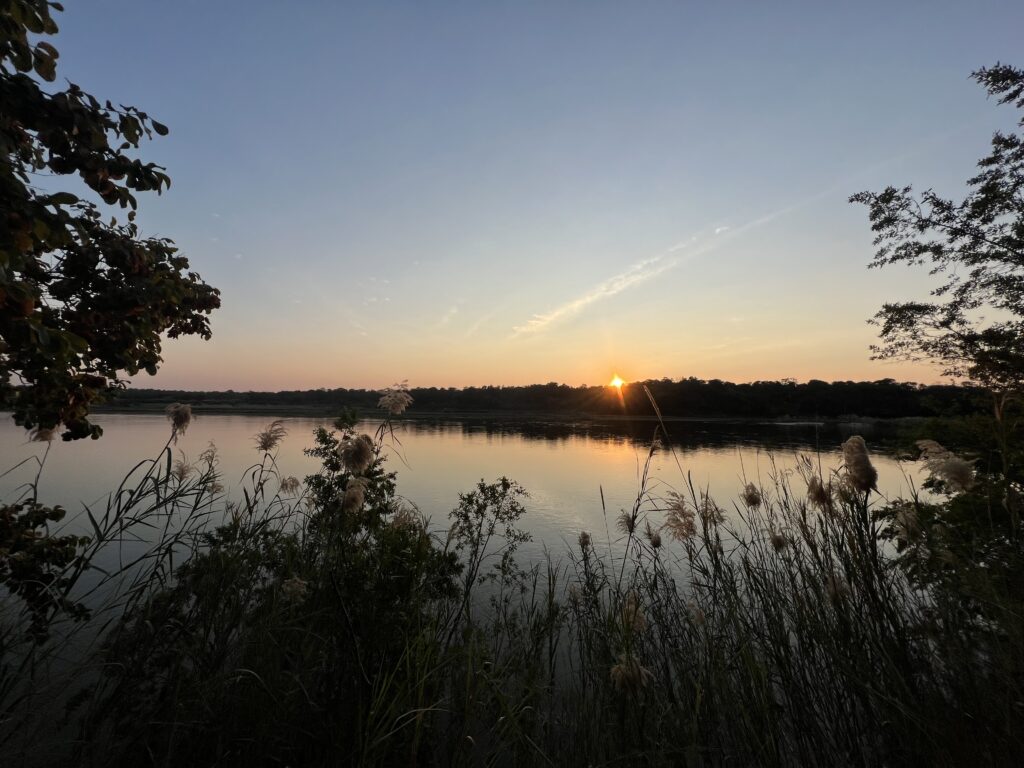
x: 324, y: 621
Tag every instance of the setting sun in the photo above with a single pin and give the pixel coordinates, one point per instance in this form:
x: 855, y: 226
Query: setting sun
x: 616, y: 382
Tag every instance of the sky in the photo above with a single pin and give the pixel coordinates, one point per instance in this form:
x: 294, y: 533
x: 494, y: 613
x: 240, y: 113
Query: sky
x: 460, y: 194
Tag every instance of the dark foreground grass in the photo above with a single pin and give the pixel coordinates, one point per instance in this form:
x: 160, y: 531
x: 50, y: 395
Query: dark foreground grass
x: 327, y: 623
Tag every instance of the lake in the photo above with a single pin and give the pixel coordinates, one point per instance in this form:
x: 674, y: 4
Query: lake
x: 564, y: 466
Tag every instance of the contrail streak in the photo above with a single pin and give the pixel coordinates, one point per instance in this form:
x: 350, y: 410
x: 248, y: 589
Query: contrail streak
x: 636, y: 274
x: 644, y: 270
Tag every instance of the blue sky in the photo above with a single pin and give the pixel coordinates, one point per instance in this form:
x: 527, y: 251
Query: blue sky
x: 470, y: 193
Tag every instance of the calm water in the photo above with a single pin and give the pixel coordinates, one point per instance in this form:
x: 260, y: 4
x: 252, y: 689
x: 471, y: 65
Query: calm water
x: 564, y: 467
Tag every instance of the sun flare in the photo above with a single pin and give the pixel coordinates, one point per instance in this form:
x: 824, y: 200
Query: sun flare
x: 616, y: 382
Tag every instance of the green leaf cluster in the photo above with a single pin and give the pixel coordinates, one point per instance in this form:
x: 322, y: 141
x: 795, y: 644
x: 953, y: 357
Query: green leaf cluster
x: 84, y: 299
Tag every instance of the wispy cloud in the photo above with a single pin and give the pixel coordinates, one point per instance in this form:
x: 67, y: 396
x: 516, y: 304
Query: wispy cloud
x: 644, y: 270
x: 638, y: 273
x: 681, y: 245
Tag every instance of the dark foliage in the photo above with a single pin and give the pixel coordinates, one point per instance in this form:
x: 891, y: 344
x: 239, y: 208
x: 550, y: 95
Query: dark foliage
x: 34, y: 563
x: 83, y: 299
x: 976, y: 247
x: 289, y: 628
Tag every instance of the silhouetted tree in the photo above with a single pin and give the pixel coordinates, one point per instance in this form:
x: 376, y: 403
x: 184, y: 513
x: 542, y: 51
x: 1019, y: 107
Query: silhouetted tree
x: 976, y: 245
x: 83, y: 298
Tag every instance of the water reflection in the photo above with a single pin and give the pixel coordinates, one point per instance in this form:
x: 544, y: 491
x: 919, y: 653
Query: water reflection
x: 567, y: 467
x: 801, y: 435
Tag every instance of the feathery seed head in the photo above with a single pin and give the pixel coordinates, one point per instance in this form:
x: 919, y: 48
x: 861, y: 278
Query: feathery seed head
x: 407, y: 516
x: 751, y: 496
x: 271, y: 436
x: 180, y: 416
x: 408, y: 520
x: 355, y: 494
x: 680, y: 518
x: 209, y: 455
x: 906, y: 522
x: 626, y: 523
x: 182, y: 468
x: 862, y: 475
x: 946, y: 467
x: 356, y: 453
x: 818, y: 494
x: 584, y: 540
x: 395, y: 399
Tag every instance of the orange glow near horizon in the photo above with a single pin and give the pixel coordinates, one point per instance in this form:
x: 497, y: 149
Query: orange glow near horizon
x: 616, y: 382
x: 229, y: 362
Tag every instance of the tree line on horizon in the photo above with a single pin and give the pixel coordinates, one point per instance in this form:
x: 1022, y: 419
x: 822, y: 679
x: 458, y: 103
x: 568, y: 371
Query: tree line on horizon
x: 687, y: 397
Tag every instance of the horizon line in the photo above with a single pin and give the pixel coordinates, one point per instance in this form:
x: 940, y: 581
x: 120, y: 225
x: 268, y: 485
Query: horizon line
x: 785, y: 381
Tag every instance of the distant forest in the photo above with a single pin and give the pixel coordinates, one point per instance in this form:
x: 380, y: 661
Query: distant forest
x: 686, y: 398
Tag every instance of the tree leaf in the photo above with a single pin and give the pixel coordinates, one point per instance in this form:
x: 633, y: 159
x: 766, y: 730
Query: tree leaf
x: 62, y: 198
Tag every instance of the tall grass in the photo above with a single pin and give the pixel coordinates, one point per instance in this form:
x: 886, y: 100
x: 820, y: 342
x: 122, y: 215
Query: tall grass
x: 333, y: 624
